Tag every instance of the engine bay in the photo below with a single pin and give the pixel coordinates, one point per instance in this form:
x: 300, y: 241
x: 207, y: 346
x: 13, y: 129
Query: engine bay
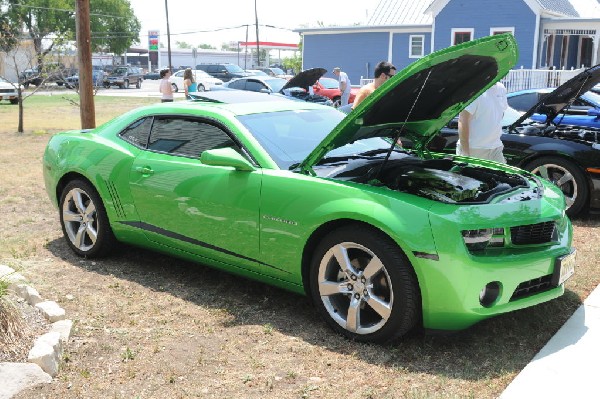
x: 444, y: 179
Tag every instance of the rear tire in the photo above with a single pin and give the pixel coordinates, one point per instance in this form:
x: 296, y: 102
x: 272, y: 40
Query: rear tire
x: 364, y: 286
x: 84, y: 220
x: 174, y: 87
x: 138, y: 84
x: 14, y: 101
x: 567, y: 176
x: 200, y: 87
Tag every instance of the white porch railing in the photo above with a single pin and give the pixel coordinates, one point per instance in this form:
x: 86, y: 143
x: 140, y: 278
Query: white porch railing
x: 521, y: 79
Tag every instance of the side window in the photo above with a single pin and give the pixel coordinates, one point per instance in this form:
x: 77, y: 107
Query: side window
x: 523, y: 102
x: 137, y: 133
x: 179, y: 74
x: 213, y: 68
x: 186, y: 137
x: 254, y: 85
x: 238, y: 84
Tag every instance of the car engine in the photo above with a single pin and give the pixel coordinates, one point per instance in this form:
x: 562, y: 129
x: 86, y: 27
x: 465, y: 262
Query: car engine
x: 443, y: 180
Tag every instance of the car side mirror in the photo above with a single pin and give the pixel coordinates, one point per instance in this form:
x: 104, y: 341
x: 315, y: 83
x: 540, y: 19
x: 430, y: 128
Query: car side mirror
x: 594, y: 112
x: 226, y: 157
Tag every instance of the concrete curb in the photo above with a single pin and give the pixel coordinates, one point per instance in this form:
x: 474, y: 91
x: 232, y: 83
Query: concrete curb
x: 45, y: 356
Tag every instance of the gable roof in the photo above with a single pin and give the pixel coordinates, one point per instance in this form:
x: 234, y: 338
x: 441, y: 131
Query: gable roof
x: 401, y: 12
x: 547, y: 8
x: 563, y: 7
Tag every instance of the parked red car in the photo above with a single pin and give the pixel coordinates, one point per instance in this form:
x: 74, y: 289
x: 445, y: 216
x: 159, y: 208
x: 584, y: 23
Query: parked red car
x: 329, y: 87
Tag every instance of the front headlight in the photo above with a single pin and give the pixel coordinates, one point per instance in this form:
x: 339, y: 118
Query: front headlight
x: 480, y: 239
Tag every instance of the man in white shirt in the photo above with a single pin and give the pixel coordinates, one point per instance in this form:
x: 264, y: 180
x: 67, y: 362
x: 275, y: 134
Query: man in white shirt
x: 345, y: 86
x: 480, y: 125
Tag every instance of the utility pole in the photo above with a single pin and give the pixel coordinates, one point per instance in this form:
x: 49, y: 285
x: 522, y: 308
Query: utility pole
x: 257, y: 41
x: 168, y: 35
x: 84, y: 54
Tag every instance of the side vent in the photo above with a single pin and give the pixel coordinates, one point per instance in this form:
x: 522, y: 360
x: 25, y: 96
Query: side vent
x: 114, y: 196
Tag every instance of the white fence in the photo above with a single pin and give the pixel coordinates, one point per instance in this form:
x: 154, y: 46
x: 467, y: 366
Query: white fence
x: 521, y: 79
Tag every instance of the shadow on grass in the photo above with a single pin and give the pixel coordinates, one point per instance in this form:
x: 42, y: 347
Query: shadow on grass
x: 487, y: 350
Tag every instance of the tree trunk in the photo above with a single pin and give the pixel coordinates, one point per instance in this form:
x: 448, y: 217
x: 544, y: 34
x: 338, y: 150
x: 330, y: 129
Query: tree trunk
x: 20, y: 97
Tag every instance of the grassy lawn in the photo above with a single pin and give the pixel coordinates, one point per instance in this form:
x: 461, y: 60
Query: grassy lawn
x: 52, y: 113
x: 151, y: 326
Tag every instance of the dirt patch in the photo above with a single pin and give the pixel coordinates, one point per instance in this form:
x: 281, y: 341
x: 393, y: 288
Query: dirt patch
x: 152, y: 326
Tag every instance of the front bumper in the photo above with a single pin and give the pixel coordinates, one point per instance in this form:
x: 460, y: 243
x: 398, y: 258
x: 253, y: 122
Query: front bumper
x: 451, y: 285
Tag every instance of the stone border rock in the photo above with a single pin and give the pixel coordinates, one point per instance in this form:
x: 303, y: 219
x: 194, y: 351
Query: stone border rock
x: 45, y: 356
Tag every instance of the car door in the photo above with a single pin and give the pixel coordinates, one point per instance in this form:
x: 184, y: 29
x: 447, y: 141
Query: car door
x: 211, y: 211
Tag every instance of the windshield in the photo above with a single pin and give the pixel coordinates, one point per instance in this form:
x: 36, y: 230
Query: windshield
x: 276, y: 84
x: 119, y: 71
x: 289, y: 136
x: 329, y: 83
x: 592, y: 98
x: 234, y: 69
x: 510, y: 116
x: 277, y: 71
x: 201, y: 74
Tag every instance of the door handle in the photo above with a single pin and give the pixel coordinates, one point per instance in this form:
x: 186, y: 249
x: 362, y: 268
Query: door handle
x: 144, y: 170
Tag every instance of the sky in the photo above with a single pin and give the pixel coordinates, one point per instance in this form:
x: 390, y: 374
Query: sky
x: 212, y: 17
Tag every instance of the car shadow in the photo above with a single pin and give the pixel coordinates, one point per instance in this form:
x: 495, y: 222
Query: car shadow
x: 494, y: 347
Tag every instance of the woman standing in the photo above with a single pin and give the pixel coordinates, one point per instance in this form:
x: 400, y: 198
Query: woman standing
x: 189, y: 83
x: 165, y: 87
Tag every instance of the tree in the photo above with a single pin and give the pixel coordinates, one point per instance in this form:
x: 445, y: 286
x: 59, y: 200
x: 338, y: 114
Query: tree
x: 182, y: 45
x: 229, y: 47
x: 294, y: 62
x: 206, y: 46
x: 51, y: 23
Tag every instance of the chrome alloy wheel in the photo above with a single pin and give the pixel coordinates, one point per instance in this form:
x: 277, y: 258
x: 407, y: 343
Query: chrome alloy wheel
x: 562, y: 178
x: 80, y: 219
x: 355, y: 288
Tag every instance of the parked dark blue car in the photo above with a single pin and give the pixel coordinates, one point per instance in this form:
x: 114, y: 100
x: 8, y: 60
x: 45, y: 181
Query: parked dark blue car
x: 584, y: 111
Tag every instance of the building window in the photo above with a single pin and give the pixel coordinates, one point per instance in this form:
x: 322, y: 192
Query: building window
x: 417, y: 46
x: 498, y: 31
x: 461, y: 35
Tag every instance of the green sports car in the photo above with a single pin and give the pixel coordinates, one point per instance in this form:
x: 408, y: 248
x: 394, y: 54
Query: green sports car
x: 303, y: 197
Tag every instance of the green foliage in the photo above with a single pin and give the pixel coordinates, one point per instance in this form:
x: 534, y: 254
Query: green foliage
x: 206, y: 46
x: 3, y: 287
x: 113, y: 23
x: 182, y: 45
x: 294, y: 62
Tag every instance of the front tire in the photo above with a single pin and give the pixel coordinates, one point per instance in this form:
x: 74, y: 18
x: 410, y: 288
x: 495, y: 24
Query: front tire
x: 125, y: 85
x: 364, y: 286
x: 200, y: 87
x: 138, y: 84
x: 567, y: 176
x: 84, y: 220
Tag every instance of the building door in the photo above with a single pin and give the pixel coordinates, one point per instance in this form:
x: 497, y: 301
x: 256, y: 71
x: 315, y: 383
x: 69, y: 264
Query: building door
x: 585, y: 51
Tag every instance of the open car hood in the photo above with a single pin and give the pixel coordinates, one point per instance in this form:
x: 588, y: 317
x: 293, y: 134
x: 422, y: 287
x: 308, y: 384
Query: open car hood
x: 425, y: 96
x: 305, y: 78
x: 563, y: 96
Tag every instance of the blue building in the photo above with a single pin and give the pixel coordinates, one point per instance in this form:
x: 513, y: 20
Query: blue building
x: 550, y: 33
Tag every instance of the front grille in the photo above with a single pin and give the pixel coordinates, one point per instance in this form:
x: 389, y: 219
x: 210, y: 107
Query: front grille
x: 539, y: 233
x: 532, y: 287
x: 7, y: 90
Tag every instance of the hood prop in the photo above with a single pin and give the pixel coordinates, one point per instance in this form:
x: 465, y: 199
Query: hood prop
x: 397, y: 136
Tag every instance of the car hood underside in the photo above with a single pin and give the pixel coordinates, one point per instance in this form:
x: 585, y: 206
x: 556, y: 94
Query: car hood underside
x: 422, y: 98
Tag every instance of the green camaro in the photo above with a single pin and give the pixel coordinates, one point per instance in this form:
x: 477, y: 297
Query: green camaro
x: 301, y: 196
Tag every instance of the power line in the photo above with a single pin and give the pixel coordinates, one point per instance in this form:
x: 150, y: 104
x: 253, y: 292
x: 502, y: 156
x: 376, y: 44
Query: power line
x: 66, y: 10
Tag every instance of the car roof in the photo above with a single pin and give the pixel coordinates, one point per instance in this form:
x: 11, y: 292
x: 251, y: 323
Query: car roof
x: 239, y: 108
